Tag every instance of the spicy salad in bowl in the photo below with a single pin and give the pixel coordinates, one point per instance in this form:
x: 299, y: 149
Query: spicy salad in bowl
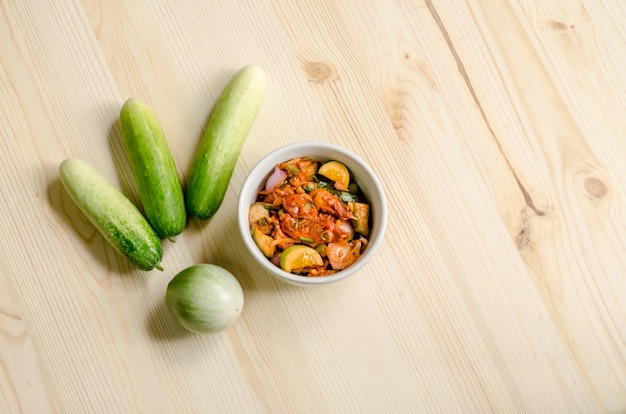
x: 312, y: 213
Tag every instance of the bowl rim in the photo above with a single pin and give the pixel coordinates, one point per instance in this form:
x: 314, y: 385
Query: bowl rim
x: 259, y: 173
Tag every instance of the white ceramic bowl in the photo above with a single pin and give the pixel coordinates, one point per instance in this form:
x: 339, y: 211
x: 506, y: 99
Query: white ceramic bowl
x: 361, y: 173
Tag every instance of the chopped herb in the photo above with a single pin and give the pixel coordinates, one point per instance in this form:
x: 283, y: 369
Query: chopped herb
x: 321, y: 249
x: 346, y: 197
x: 292, y: 169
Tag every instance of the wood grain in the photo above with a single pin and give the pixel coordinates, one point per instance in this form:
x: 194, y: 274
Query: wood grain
x: 496, y: 128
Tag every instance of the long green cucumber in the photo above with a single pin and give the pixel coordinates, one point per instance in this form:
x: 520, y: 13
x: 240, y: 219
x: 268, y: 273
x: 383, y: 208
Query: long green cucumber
x: 112, y: 213
x: 154, y: 169
x: 220, y: 146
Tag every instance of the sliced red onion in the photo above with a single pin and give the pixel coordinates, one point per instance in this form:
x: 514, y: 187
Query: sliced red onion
x: 276, y: 259
x: 276, y: 179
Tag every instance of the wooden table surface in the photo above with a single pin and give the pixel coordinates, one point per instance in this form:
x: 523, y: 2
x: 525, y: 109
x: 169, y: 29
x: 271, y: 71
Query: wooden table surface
x: 496, y: 126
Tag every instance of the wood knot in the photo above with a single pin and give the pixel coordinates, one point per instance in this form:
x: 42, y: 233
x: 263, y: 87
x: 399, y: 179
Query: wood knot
x: 559, y: 27
x: 318, y: 71
x: 556, y: 25
x: 595, y: 187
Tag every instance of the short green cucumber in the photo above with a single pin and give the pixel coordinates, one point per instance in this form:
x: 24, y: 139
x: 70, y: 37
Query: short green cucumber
x: 220, y: 146
x: 153, y: 166
x: 112, y: 213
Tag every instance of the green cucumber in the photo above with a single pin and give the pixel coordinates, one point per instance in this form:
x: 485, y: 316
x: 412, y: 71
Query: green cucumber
x: 220, y: 146
x: 159, y: 186
x: 112, y: 213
